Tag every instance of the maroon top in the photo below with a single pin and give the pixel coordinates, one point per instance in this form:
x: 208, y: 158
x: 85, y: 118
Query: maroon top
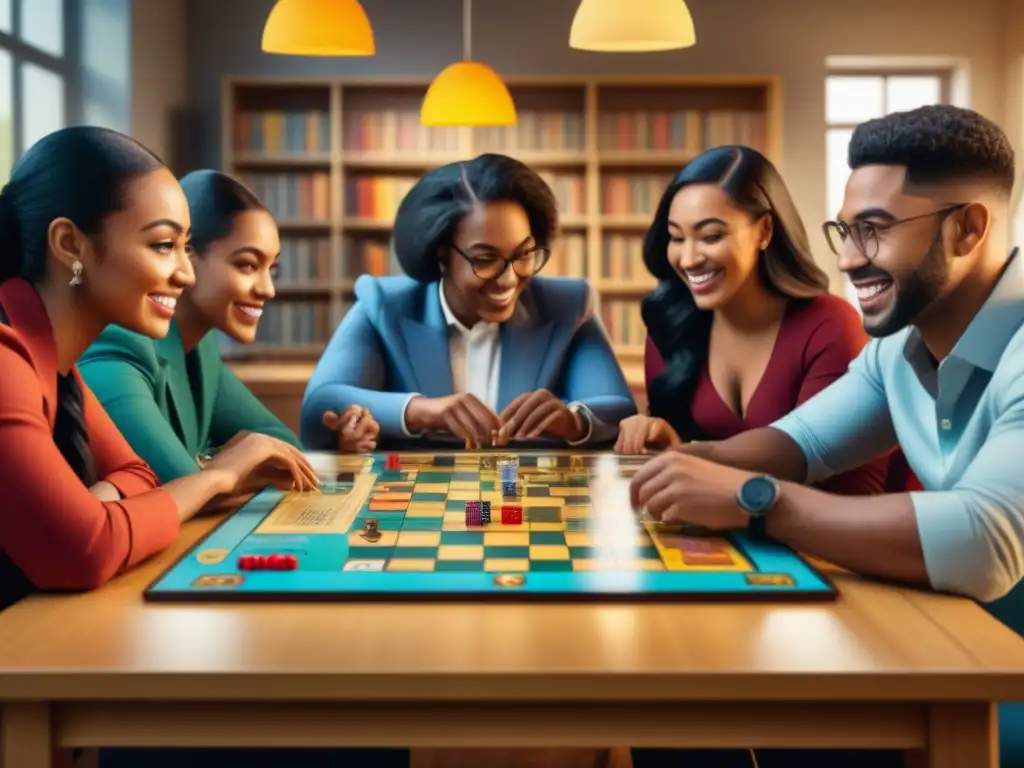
x: 816, y: 342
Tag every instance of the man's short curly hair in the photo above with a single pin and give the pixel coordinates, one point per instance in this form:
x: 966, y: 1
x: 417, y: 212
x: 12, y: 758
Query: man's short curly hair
x: 936, y: 144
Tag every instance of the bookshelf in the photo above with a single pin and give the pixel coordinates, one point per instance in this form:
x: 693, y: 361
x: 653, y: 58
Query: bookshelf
x: 332, y: 159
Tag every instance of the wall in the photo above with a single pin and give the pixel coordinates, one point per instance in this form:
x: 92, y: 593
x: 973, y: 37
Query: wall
x: 159, y: 56
x: 790, y: 38
x: 107, y: 77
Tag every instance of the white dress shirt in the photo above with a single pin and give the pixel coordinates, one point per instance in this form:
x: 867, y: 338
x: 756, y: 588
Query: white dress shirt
x: 475, y: 355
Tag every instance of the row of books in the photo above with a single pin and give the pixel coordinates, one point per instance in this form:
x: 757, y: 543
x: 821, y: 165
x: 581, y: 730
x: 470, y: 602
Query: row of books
x: 570, y: 190
x: 622, y: 258
x: 369, y: 256
x: 569, y: 258
x: 534, y: 131
x: 687, y: 130
x: 376, y: 197
x: 623, y: 194
x: 304, y: 260
x: 399, y: 131
x: 623, y: 321
x: 394, y: 131
x: 292, y: 196
x: 295, y: 323
x: 283, y: 132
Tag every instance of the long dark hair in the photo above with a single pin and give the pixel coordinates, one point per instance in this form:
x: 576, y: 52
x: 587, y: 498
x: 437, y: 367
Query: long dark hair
x: 77, y: 173
x: 678, y: 329
x: 214, y: 199
x: 430, y: 212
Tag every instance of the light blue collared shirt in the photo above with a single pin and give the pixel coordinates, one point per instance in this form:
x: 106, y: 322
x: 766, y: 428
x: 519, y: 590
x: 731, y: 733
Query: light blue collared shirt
x: 961, y: 428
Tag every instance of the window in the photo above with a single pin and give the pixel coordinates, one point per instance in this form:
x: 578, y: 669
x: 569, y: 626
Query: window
x: 37, y: 64
x: 855, y: 96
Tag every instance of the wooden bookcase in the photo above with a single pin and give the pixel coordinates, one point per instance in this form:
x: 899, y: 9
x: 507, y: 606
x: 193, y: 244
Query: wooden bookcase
x: 333, y: 157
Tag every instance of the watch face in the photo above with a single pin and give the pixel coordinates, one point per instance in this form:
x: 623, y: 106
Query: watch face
x: 758, y: 493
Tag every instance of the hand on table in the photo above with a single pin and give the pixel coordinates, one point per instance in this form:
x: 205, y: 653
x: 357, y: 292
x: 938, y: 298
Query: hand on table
x: 681, y: 488
x: 644, y: 434
x: 355, y: 427
x: 252, y: 461
x: 539, y: 413
x: 463, y: 415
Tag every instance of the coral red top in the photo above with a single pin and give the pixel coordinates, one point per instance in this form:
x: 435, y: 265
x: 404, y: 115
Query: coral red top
x: 52, y: 528
x: 817, y: 341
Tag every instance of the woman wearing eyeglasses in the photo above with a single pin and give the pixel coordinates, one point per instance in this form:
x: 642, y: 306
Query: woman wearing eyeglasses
x: 471, y: 345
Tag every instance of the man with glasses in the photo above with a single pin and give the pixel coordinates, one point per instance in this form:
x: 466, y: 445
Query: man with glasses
x: 923, y: 237
x: 472, y: 346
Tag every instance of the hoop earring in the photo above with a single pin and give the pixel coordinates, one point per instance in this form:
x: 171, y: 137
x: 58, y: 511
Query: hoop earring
x: 76, y: 272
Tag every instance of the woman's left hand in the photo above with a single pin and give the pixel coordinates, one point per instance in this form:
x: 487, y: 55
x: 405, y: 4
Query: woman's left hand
x: 356, y: 429
x: 539, y: 413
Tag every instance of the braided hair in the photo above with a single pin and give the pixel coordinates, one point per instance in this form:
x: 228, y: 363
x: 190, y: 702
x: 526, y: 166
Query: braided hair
x: 678, y: 328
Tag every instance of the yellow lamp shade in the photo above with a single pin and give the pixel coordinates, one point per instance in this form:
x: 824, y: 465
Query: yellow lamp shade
x: 318, y: 28
x: 468, y: 93
x: 632, y: 25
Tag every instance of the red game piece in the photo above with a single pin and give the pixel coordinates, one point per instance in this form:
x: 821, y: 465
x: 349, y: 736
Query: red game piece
x: 511, y: 515
x: 393, y: 461
x: 289, y: 562
x: 245, y: 563
x: 274, y: 562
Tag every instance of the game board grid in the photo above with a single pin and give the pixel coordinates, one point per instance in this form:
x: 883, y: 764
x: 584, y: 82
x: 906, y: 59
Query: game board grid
x: 420, y: 513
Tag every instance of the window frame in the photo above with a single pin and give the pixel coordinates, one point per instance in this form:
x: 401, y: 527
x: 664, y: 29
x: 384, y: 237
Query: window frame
x: 945, y: 76
x: 66, y: 67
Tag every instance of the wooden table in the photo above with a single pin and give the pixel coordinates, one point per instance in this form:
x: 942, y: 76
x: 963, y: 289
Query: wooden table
x: 882, y: 667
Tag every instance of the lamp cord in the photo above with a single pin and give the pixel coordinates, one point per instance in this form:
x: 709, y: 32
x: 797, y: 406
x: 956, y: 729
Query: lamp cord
x: 467, y: 29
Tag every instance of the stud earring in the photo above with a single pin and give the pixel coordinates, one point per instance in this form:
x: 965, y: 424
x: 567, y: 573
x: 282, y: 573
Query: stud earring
x: 76, y: 272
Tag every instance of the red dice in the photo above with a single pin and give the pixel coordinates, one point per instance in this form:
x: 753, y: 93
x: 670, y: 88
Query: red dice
x: 511, y: 515
x: 273, y: 562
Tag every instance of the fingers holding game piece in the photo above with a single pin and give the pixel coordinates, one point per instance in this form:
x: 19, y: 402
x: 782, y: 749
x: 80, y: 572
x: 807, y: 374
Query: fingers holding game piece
x: 359, y: 433
x: 471, y: 420
x: 538, y: 413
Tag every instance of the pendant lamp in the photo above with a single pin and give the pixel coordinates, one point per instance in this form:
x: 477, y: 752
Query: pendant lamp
x: 621, y: 26
x: 467, y: 92
x: 318, y: 28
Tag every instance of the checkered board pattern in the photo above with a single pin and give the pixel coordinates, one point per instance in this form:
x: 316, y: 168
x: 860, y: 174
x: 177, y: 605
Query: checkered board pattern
x: 409, y: 538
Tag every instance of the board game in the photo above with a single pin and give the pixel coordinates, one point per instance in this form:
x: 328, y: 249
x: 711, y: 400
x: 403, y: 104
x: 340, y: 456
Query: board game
x: 484, y: 525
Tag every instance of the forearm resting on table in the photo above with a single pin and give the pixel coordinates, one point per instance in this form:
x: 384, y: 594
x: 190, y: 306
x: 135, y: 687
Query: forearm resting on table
x: 872, y: 535
x: 765, y: 450
x: 192, y: 493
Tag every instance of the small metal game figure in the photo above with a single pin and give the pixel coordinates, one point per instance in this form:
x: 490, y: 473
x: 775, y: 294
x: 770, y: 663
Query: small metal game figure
x: 371, y: 529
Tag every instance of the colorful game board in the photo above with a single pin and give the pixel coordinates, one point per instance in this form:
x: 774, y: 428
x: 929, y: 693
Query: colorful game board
x: 377, y: 533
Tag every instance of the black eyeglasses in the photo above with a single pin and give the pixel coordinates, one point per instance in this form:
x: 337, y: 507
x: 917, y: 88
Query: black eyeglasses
x: 524, y: 264
x: 865, y: 233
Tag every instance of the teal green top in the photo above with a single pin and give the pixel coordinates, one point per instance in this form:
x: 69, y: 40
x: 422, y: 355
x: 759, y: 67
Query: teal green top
x: 171, y: 406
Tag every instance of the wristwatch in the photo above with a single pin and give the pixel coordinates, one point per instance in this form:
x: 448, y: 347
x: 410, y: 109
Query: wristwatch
x: 582, y: 418
x: 757, y: 497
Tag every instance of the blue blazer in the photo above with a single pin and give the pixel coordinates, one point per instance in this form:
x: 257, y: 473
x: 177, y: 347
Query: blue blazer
x: 394, y: 342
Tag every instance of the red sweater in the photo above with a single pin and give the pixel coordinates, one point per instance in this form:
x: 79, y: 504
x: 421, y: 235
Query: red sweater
x: 51, y: 527
x: 816, y: 343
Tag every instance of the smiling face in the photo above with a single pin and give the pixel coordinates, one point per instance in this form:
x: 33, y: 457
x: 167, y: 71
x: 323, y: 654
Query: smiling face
x: 487, y: 237
x: 137, y: 265
x: 713, y: 244
x: 235, y: 276
x: 908, y: 269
